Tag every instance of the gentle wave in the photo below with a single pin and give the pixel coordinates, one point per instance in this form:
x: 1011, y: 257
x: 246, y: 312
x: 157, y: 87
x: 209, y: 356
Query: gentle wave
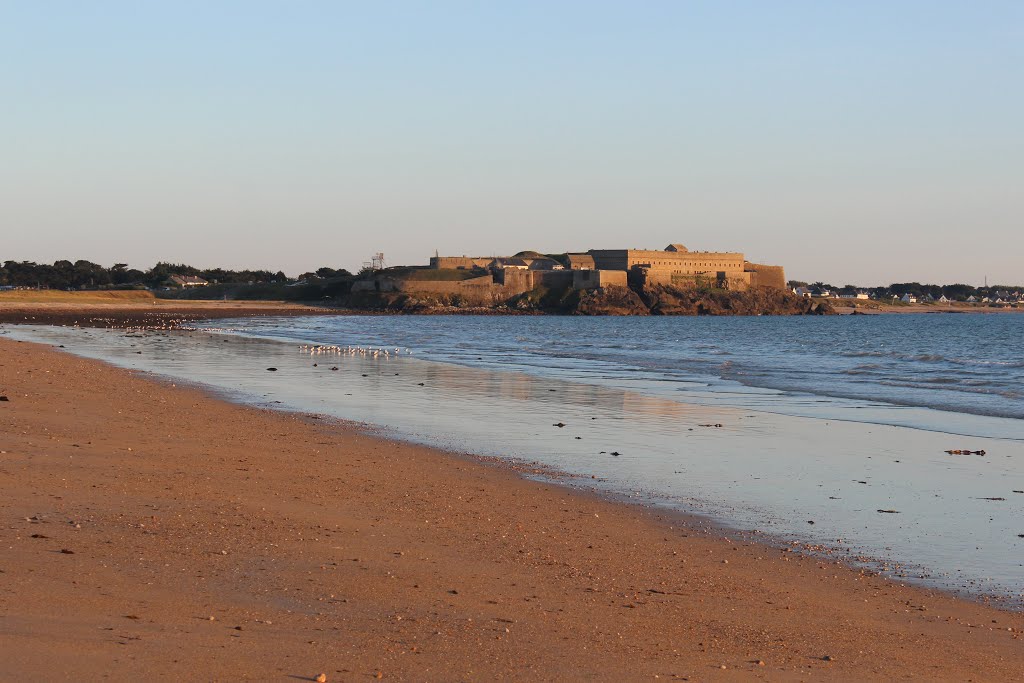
x: 969, y: 365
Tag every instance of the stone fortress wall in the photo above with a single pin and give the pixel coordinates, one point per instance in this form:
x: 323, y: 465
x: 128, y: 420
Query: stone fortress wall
x: 674, y: 265
x: 460, y: 262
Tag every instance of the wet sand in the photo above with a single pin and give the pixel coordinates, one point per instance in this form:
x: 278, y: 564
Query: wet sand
x: 316, y: 548
x: 148, y: 313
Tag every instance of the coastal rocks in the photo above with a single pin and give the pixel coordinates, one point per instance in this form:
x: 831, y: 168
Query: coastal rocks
x: 632, y: 300
x: 610, y: 300
x: 671, y: 300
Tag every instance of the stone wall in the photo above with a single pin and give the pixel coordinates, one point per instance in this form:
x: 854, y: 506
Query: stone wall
x: 595, y: 279
x: 438, y: 286
x: 771, y: 277
x: 681, y: 263
x: 460, y: 262
x: 552, y: 278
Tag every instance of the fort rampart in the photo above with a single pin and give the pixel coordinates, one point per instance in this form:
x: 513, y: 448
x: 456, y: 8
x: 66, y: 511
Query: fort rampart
x: 675, y: 265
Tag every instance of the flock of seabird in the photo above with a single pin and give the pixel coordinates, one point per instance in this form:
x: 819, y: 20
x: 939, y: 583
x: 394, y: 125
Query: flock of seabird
x: 366, y: 352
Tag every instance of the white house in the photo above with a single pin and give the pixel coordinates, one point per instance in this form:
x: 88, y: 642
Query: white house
x: 188, y: 281
x: 908, y: 298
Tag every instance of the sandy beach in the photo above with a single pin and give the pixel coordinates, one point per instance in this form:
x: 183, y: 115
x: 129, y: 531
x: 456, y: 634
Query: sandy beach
x: 152, y: 530
x: 133, y: 309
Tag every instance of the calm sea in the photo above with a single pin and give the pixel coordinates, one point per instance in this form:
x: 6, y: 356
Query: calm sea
x: 928, y: 371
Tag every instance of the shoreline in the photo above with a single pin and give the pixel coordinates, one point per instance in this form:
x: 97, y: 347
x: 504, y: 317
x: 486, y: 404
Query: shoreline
x: 166, y: 313
x: 649, y: 593
x: 155, y: 312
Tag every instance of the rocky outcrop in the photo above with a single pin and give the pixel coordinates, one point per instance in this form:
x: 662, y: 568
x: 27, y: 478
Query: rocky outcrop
x: 610, y: 301
x: 668, y: 300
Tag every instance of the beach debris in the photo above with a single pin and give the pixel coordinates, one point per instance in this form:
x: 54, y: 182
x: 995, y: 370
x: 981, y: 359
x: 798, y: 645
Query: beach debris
x: 717, y: 424
x: 321, y: 678
x: 39, y: 536
x: 810, y: 521
x: 966, y: 451
x: 1016, y: 491
x: 271, y: 369
x: 558, y: 424
x: 828, y: 658
x: 131, y: 616
x: 890, y: 512
x: 420, y: 384
x: 334, y: 369
x: 616, y: 453
x: 1020, y: 535
x: 65, y: 551
x: 578, y: 437
x: 991, y: 499
x: 4, y: 398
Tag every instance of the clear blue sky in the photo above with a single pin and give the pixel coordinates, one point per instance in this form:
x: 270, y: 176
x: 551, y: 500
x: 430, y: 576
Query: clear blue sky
x: 849, y: 141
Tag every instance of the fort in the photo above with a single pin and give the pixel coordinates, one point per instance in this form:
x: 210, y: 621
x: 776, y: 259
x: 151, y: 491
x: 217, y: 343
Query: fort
x: 675, y: 265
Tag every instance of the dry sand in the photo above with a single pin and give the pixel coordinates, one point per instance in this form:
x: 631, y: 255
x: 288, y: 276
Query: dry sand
x: 155, y: 533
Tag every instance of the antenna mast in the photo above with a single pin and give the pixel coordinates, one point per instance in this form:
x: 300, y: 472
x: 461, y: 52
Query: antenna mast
x: 376, y: 262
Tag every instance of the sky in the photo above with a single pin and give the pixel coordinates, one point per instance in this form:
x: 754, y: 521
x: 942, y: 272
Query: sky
x: 851, y: 142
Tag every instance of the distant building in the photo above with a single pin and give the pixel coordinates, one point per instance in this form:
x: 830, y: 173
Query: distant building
x: 581, y: 262
x: 187, y: 281
x: 908, y: 298
x: 674, y: 265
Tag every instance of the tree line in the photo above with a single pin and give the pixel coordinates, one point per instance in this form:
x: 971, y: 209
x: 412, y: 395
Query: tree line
x: 955, y: 292
x: 88, y: 275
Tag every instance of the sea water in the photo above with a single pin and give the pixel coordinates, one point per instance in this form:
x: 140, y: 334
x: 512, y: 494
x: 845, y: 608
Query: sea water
x: 824, y: 431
